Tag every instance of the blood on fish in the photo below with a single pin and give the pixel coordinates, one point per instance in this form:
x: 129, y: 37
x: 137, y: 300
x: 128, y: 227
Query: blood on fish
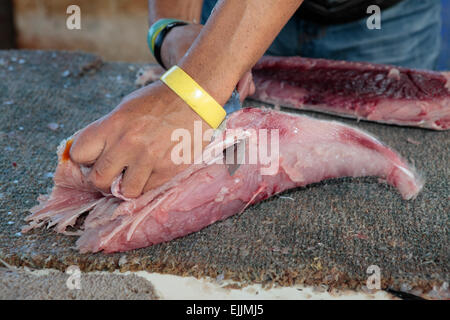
x: 367, y: 91
x: 353, y: 136
x: 66, y: 153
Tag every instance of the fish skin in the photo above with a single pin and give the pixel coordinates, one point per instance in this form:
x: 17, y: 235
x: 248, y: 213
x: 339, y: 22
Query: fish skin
x: 311, y: 150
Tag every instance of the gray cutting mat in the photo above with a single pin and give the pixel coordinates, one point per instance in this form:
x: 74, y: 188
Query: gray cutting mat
x: 328, y: 233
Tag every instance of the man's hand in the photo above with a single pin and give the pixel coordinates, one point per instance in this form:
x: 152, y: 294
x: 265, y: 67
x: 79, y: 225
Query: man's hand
x: 177, y: 43
x: 135, y: 137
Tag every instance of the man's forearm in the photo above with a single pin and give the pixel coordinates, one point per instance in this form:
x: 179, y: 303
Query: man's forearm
x: 187, y: 10
x: 236, y: 35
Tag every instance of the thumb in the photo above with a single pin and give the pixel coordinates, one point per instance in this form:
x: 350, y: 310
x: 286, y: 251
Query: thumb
x: 88, y: 145
x: 246, y: 86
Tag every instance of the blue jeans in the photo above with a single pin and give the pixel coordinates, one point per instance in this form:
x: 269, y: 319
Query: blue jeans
x: 409, y: 37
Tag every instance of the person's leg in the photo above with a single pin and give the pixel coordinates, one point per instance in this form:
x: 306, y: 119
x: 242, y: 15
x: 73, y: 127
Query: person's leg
x: 208, y: 6
x: 286, y: 44
x: 287, y: 41
x: 409, y: 37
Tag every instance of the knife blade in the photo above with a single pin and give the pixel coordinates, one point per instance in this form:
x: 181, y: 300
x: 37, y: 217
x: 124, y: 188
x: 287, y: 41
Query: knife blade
x: 234, y: 155
x: 234, y: 103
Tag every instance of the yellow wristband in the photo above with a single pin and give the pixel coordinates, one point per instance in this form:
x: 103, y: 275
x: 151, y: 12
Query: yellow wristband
x: 194, y: 95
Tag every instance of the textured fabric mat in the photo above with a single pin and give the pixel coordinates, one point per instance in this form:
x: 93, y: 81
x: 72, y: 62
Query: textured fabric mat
x: 325, y: 234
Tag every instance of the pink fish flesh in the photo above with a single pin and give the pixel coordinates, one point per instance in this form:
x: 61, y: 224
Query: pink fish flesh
x: 367, y: 91
x: 310, y: 151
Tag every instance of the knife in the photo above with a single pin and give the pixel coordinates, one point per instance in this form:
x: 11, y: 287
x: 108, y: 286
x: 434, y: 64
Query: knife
x: 234, y: 154
x: 234, y: 103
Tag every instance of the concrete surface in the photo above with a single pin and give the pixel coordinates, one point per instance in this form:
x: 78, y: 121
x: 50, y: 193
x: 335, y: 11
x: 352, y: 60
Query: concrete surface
x: 50, y: 284
x: 325, y: 234
x: 56, y: 285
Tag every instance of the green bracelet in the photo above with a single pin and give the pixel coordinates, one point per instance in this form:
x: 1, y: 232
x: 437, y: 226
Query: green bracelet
x: 155, y: 29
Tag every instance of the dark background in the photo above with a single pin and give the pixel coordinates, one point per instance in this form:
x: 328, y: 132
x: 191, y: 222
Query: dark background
x: 114, y: 29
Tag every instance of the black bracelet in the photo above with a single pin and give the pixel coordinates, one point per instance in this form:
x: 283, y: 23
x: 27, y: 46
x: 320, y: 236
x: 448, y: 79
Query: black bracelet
x: 160, y: 38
